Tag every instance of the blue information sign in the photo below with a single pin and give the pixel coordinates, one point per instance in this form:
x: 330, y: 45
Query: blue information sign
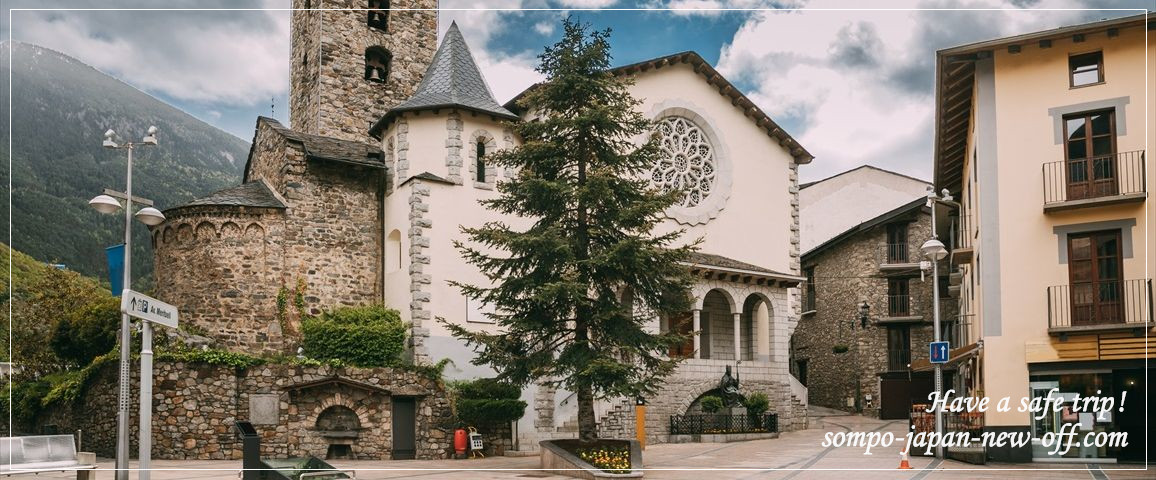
x: 115, y: 255
x: 940, y: 352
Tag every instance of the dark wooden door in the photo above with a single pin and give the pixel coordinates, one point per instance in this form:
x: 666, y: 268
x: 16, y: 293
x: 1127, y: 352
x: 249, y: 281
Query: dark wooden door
x: 404, y: 428
x: 1094, y: 270
x: 897, y: 395
x: 1090, y: 147
x: 682, y: 325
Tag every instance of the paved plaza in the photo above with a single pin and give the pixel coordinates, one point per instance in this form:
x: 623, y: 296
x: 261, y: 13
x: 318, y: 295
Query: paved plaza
x: 795, y: 455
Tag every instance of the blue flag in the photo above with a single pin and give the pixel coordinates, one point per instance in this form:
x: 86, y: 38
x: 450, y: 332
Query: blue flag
x: 116, y: 268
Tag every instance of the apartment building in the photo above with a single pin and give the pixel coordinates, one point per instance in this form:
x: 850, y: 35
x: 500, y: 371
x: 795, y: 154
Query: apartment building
x: 1042, y: 140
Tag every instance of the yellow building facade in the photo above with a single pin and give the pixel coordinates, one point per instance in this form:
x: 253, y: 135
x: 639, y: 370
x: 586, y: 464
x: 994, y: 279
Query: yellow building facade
x: 1042, y: 140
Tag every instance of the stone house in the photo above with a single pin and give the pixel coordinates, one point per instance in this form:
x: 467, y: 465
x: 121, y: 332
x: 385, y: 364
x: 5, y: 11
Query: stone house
x: 361, y: 199
x: 876, y: 262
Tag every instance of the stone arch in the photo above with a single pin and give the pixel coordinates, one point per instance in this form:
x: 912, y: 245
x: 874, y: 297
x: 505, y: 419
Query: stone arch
x: 254, y: 231
x: 184, y: 233
x: 230, y: 230
x: 377, y: 63
x: 697, y: 388
x: 393, y: 251
x: 205, y: 231
x: 758, y: 318
x: 339, y: 399
x: 168, y: 235
x: 726, y: 293
x: 482, y: 142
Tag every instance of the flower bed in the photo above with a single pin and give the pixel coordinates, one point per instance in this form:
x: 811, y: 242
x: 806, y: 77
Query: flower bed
x: 611, y: 458
x: 602, y: 458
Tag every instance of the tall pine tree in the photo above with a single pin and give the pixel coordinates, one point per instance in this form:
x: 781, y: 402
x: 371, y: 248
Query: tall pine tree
x: 574, y: 290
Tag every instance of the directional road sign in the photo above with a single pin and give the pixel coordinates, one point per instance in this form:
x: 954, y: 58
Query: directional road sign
x: 148, y: 308
x: 940, y: 352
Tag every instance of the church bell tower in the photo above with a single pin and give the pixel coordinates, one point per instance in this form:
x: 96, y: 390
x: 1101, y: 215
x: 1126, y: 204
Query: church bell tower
x: 352, y: 60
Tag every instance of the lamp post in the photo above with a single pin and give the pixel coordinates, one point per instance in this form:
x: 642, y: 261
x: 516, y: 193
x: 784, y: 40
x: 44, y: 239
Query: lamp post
x: 106, y: 203
x: 934, y: 251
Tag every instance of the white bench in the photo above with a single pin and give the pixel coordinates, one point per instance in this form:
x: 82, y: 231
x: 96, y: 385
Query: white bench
x: 45, y: 453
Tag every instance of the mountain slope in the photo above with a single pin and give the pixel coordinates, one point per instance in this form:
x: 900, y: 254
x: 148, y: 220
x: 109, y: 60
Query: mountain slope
x: 60, y: 110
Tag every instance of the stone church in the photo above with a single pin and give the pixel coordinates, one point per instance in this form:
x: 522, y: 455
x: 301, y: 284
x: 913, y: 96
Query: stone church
x: 360, y: 198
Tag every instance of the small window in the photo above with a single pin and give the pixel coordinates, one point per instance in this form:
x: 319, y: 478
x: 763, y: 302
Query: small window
x: 379, y: 14
x: 809, y: 296
x: 377, y: 64
x: 481, y: 162
x: 1086, y: 69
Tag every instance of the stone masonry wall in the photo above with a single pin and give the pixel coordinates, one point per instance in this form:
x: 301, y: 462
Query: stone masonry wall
x: 329, y: 93
x: 225, y: 265
x: 195, y: 407
x: 846, y: 275
x: 221, y: 267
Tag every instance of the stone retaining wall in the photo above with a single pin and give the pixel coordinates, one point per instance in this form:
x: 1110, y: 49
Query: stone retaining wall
x: 195, y: 407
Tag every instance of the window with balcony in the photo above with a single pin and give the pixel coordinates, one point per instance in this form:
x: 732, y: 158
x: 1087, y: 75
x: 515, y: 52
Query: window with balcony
x: 898, y: 347
x: 897, y: 243
x: 898, y: 298
x: 1090, y: 147
x: 1086, y: 69
x: 1094, y: 271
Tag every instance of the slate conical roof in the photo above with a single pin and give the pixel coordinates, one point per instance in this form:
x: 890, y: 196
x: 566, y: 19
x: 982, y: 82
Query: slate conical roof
x: 452, y: 80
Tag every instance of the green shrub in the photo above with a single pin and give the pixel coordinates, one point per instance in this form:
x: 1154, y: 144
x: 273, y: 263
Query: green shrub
x: 757, y: 403
x: 86, y: 332
x: 487, y: 403
x: 711, y: 404
x: 371, y: 336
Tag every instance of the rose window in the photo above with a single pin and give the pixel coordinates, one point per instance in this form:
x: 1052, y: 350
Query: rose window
x: 687, y: 162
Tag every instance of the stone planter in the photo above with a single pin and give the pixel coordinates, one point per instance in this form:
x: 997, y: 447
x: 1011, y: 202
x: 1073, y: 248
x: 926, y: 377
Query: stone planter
x: 558, y: 460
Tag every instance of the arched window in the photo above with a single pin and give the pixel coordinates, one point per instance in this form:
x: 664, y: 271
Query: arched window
x: 393, y: 251
x: 377, y: 64
x: 379, y: 14
x: 480, y: 168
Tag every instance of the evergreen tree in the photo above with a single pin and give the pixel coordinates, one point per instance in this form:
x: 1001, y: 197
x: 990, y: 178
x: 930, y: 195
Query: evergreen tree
x: 577, y: 280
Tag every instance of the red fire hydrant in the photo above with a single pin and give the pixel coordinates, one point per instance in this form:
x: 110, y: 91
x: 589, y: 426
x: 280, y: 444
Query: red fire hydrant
x: 460, y: 441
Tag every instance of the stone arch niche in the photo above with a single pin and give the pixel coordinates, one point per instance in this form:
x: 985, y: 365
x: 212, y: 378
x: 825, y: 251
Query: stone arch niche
x: 340, y: 426
x: 758, y: 329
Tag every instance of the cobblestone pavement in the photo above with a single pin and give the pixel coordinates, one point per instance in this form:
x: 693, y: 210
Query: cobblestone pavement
x: 795, y: 455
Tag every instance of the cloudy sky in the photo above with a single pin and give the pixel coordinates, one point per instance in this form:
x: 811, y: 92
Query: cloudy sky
x: 854, y: 87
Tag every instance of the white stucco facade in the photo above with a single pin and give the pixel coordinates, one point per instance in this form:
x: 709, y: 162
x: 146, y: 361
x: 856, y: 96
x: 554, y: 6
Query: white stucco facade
x: 835, y: 204
x: 750, y: 216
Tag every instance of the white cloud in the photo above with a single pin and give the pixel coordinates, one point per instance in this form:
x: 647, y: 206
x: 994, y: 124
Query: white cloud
x: 586, y: 3
x: 544, y: 28
x: 191, y: 56
x: 860, y: 82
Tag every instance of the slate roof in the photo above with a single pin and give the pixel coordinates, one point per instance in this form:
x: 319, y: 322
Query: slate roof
x: 719, y: 261
x: 252, y: 194
x: 452, y: 80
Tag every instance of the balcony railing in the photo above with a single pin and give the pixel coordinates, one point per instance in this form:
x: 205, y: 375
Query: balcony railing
x: 899, y: 306
x: 892, y: 254
x: 958, y: 331
x: 1106, y: 177
x: 898, y: 360
x: 961, y: 232
x: 1100, y: 305
x: 723, y: 424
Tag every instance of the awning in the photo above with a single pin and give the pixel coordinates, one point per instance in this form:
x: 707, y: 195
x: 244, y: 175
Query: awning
x: 955, y: 357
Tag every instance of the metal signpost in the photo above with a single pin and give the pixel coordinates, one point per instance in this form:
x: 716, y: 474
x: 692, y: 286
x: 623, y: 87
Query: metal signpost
x: 151, y: 311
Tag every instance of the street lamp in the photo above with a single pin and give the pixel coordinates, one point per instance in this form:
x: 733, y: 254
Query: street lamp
x: 934, y: 251
x: 107, y: 204
x: 864, y: 309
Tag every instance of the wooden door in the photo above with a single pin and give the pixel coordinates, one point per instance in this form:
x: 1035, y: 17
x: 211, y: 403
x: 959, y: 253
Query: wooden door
x: 1090, y: 149
x: 404, y: 428
x: 682, y: 325
x: 1094, y: 271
